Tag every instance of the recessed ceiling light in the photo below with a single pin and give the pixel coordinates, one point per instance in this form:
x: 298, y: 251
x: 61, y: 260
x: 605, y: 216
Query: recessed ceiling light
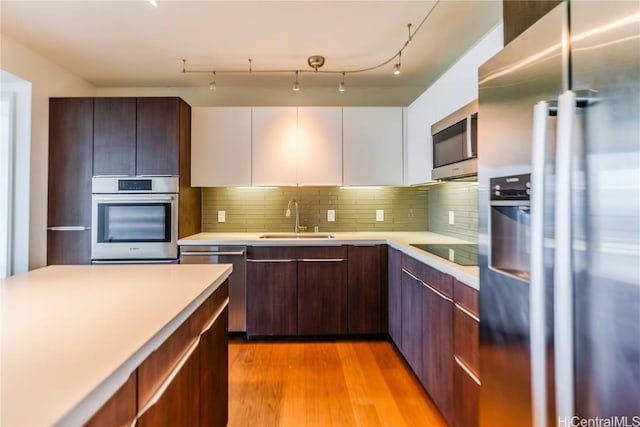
x: 154, y: 3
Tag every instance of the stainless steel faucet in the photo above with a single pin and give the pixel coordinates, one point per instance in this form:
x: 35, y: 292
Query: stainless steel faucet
x: 296, y: 227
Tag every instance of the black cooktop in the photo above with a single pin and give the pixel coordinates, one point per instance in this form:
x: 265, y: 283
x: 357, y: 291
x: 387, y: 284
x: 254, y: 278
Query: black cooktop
x: 461, y: 254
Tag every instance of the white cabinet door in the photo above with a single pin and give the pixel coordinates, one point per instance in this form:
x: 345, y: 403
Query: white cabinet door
x: 274, y: 151
x: 220, y: 146
x: 372, y: 145
x: 319, y: 146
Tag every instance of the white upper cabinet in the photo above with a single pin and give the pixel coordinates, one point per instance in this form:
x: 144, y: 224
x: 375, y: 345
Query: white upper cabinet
x: 220, y: 146
x: 372, y: 146
x: 319, y: 146
x: 274, y: 153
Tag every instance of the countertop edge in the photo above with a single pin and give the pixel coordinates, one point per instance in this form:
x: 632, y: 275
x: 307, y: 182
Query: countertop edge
x: 87, y: 407
x: 465, y: 277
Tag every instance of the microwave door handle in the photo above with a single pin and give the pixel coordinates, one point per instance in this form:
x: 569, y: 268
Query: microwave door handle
x: 134, y: 200
x: 469, y: 149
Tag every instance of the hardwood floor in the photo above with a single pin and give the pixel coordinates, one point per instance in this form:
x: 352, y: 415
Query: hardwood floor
x: 345, y: 383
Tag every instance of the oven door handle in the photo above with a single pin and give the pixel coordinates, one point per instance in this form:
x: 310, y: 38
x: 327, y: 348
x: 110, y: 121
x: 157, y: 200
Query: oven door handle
x: 136, y: 261
x: 136, y: 199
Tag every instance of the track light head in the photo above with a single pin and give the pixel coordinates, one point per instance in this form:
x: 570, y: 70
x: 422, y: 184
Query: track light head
x: 296, y: 85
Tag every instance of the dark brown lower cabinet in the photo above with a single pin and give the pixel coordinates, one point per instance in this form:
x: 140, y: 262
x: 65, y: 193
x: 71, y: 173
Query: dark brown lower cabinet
x: 272, y: 297
x: 121, y: 409
x: 322, y: 297
x: 184, y: 382
x: 367, y: 296
x: 68, y: 247
x: 395, y: 296
x: 466, y: 333
x: 411, y: 346
x: 467, y: 393
x: 214, y: 374
x: 178, y: 404
x: 437, y: 348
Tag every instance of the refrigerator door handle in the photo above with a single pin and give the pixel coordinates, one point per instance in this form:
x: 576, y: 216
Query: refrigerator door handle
x: 537, y: 285
x: 563, y: 262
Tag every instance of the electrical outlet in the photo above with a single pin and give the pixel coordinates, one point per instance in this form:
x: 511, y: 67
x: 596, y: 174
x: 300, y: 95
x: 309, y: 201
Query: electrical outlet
x: 331, y: 215
x: 380, y: 215
x: 222, y: 216
x: 451, y: 218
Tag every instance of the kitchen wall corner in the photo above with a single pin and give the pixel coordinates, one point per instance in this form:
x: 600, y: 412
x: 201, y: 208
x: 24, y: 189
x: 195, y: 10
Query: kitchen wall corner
x: 462, y: 199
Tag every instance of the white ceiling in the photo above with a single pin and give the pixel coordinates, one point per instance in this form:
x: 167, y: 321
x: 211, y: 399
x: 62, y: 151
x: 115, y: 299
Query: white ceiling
x: 131, y: 44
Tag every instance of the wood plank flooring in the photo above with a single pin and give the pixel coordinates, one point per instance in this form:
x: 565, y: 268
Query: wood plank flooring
x: 344, y: 383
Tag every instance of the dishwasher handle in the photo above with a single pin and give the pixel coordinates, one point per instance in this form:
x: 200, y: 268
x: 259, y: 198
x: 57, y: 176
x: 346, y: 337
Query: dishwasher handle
x: 211, y: 253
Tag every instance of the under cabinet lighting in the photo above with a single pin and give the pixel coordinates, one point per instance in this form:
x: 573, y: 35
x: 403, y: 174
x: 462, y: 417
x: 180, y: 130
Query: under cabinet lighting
x: 255, y: 188
x: 154, y: 3
x: 361, y: 187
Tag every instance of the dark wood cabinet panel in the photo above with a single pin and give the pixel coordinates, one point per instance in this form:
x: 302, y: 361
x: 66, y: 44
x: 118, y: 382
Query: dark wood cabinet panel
x: 466, y: 296
x: 68, y: 247
x: 465, y: 405
x: 121, y: 409
x: 214, y: 374
x: 178, y: 405
x: 366, y: 274
x: 70, y: 161
x: 395, y: 296
x: 272, y: 298
x: 69, y: 185
x: 437, y: 349
x: 158, y: 136
x: 114, y: 136
x: 466, y: 336
x: 322, y: 297
x: 412, y: 338
x: 518, y: 15
x: 442, y: 282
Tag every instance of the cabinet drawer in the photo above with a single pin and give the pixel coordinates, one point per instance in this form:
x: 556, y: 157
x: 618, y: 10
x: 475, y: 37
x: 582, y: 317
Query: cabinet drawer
x: 466, y: 336
x: 466, y: 296
x: 120, y: 410
x: 155, y: 369
x: 440, y: 281
x: 465, y: 404
x: 297, y: 252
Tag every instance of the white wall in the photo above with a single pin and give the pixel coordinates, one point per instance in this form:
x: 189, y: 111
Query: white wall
x: 47, y: 80
x: 455, y: 88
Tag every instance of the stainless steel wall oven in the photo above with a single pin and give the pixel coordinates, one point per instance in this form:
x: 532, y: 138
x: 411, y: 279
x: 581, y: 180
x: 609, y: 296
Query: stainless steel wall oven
x: 134, y: 219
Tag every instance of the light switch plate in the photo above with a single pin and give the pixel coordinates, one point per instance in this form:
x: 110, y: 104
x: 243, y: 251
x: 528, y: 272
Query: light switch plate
x: 451, y: 218
x: 222, y: 216
x: 380, y: 215
x: 331, y: 215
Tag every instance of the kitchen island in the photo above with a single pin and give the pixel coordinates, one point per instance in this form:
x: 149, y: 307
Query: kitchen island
x: 72, y: 336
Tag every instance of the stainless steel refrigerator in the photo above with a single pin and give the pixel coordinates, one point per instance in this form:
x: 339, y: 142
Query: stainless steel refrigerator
x: 559, y: 220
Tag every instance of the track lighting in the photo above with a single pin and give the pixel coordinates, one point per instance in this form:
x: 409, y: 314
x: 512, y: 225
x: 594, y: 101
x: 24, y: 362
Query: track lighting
x: 341, y: 85
x: 212, y: 84
x: 317, y: 61
x: 296, y: 85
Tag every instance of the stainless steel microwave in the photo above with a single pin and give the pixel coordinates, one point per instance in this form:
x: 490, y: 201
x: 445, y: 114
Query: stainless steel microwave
x: 455, y: 146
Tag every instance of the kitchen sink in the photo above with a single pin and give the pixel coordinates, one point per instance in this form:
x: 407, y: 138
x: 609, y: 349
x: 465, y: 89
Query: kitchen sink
x: 297, y: 236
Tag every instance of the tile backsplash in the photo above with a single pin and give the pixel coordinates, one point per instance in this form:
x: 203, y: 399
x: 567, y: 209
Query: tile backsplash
x: 462, y: 199
x: 263, y: 209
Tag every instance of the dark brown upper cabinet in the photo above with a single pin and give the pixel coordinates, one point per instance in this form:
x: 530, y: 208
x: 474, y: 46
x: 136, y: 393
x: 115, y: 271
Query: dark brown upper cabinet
x: 161, y: 122
x: 114, y: 136
x: 518, y: 15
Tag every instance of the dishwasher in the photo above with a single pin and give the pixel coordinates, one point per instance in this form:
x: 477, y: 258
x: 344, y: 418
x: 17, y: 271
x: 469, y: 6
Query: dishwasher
x: 235, y: 255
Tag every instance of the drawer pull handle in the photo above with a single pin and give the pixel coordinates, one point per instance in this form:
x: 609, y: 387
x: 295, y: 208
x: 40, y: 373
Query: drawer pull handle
x: 469, y: 372
x: 467, y: 312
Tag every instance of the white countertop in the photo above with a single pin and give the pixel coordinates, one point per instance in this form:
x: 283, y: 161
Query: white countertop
x: 400, y: 240
x: 72, y: 335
